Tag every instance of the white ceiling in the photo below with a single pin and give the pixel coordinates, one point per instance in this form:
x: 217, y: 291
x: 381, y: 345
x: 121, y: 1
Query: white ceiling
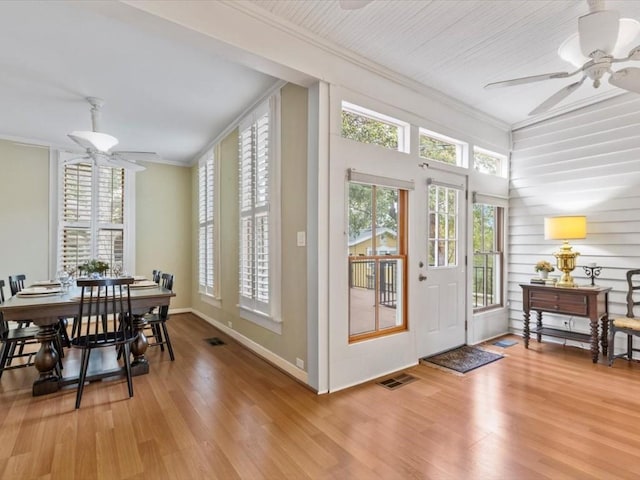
x: 458, y: 46
x: 161, y: 94
x: 173, y: 94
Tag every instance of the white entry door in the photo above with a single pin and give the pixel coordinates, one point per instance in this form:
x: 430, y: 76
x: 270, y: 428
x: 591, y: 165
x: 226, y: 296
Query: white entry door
x: 438, y: 297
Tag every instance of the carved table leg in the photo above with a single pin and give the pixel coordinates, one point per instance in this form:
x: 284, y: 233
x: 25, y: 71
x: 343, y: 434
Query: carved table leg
x: 526, y: 329
x: 594, y: 340
x: 46, y: 361
x: 139, y: 365
x: 604, y: 335
x: 539, y: 326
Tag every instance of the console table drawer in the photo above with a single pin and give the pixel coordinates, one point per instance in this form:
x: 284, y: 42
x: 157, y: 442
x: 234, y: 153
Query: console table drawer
x: 553, y: 302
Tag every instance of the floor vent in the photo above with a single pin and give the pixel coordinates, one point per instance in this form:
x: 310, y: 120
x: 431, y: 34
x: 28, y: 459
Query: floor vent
x: 215, y: 341
x: 397, y: 381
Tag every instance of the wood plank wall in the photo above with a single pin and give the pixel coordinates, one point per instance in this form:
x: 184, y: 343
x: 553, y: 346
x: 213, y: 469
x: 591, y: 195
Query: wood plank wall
x: 583, y: 163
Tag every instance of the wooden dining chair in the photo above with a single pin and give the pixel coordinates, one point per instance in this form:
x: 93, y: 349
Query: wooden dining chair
x: 629, y: 324
x: 16, y: 284
x: 157, y: 321
x: 155, y: 276
x: 10, y: 338
x: 104, y: 320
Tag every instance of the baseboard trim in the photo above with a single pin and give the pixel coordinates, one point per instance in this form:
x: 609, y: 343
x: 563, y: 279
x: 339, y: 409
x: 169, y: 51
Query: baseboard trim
x: 256, y: 348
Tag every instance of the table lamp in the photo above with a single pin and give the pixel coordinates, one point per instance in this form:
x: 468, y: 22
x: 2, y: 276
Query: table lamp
x: 565, y: 228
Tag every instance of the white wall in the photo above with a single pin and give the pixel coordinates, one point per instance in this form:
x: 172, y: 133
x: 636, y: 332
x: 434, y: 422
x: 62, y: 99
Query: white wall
x: 583, y: 163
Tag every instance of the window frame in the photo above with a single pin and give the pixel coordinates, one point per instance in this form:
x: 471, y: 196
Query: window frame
x: 212, y: 214
x: 404, y: 128
x: 498, y: 254
x: 401, y: 254
x: 502, y: 171
x: 57, y: 161
x: 266, y: 314
x: 461, y: 148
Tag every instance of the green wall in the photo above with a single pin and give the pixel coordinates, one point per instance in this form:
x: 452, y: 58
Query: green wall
x: 24, y: 211
x: 163, y: 227
x: 292, y: 342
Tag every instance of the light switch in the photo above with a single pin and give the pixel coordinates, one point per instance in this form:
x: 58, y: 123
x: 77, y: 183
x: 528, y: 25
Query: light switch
x: 302, y: 239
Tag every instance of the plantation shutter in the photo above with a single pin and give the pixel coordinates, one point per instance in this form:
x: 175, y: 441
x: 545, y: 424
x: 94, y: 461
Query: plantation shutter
x: 254, y: 165
x: 91, y: 219
x: 206, y: 239
x: 110, y: 241
x: 75, y: 242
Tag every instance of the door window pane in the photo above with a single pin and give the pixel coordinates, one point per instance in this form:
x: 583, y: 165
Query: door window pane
x: 443, y: 226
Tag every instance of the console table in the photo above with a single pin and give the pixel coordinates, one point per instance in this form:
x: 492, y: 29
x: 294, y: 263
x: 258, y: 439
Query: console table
x: 586, y: 302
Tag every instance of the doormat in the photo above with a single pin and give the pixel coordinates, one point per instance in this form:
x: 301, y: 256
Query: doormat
x: 505, y: 343
x: 463, y: 359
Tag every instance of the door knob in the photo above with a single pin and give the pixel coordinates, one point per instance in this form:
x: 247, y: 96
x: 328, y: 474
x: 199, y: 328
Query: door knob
x: 422, y: 277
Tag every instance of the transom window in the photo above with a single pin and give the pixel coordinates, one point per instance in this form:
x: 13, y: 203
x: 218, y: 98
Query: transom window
x: 440, y: 148
x: 488, y: 162
x: 366, y: 126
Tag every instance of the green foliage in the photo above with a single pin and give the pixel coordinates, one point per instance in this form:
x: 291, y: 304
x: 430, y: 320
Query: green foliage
x: 94, y: 266
x: 367, y: 130
x: 361, y: 202
x: 486, y: 163
x: 434, y: 149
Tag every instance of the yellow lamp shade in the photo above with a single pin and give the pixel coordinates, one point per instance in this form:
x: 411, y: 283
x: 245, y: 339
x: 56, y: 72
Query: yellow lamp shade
x: 565, y: 228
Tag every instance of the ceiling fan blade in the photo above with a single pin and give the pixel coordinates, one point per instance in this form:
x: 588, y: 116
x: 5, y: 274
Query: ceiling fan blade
x: 119, y: 161
x: 138, y: 156
x: 354, y: 4
x: 556, y: 97
x: 74, y: 160
x: 531, y: 79
x: 627, y: 79
x: 598, y: 31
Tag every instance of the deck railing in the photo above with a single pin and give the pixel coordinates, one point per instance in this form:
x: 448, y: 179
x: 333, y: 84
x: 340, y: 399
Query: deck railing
x: 362, y: 275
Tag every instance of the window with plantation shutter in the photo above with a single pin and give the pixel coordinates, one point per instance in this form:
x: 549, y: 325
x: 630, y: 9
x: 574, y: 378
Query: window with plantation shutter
x: 207, y: 238
x: 259, y: 212
x: 91, y: 214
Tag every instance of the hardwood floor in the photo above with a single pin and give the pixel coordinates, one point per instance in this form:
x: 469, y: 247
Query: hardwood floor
x: 220, y: 412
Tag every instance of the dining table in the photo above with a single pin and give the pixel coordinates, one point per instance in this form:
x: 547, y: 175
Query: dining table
x: 45, y: 310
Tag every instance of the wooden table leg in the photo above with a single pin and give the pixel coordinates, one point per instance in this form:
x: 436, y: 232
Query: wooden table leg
x: 604, y: 335
x: 526, y: 329
x: 46, y: 361
x: 594, y: 340
x: 539, y: 326
x: 139, y: 365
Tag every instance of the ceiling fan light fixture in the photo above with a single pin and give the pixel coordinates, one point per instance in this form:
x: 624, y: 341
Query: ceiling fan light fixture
x: 627, y: 36
x: 101, y: 142
x: 598, y: 31
x: 571, y: 52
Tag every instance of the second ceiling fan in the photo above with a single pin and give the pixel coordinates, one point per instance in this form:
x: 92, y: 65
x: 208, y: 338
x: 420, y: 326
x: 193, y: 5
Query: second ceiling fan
x: 98, y: 145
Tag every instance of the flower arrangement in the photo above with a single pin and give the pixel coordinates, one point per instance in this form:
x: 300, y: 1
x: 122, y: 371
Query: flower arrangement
x: 94, y: 266
x: 544, y: 266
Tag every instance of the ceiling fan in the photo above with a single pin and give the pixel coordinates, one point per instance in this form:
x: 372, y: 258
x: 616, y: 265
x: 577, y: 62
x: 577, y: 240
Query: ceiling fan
x: 601, y: 38
x: 353, y: 4
x: 98, y: 145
